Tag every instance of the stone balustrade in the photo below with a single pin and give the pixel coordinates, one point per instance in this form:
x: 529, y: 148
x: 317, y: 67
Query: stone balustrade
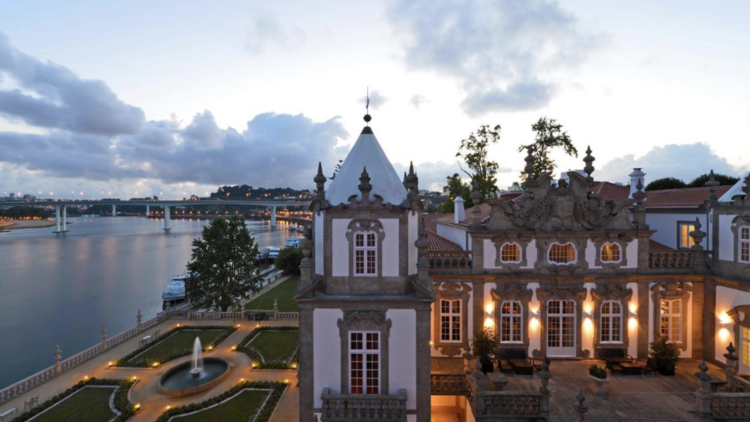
x: 374, y: 408
x: 670, y: 259
x: 450, y: 260
x: 449, y: 384
x: 731, y: 404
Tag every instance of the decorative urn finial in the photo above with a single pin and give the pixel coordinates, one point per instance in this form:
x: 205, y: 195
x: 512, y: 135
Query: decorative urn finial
x: 589, y: 168
x: 529, y: 169
x: 364, y: 185
x: 712, y: 184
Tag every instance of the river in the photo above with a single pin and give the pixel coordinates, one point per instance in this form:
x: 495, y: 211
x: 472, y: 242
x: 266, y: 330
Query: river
x: 61, y: 289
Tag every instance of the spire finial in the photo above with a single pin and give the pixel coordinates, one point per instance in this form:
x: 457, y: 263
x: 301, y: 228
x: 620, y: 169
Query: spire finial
x: 712, y: 184
x: 364, y: 186
x: 367, y: 108
x: 589, y: 160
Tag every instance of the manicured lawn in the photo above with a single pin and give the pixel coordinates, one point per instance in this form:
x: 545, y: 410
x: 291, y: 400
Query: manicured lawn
x: 276, y: 345
x: 182, y: 340
x: 284, y: 292
x: 238, y: 409
x: 90, y: 405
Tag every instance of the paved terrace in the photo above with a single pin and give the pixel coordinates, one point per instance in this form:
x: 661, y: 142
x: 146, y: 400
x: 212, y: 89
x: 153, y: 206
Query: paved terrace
x: 146, y: 392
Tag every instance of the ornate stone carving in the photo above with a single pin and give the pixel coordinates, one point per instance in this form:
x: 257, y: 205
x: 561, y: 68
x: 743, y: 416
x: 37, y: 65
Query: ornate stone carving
x: 567, y: 206
x: 615, y: 238
x: 521, y: 239
x: 515, y: 292
x: 366, y: 225
x: 617, y: 292
x: 452, y: 291
x: 364, y: 321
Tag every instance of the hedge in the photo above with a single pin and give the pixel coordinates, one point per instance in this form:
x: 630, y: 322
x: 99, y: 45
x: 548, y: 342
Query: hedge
x: 253, y: 354
x: 263, y: 415
x: 121, y: 399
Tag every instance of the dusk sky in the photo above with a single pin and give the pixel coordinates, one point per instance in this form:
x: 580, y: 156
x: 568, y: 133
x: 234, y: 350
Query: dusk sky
x: 149, y: 97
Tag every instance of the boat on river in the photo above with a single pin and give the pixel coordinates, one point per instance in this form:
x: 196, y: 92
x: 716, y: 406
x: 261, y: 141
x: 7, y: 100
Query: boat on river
x: 175, y: 290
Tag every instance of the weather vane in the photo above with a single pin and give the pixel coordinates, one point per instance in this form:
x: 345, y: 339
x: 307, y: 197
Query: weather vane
x: 367, y: 108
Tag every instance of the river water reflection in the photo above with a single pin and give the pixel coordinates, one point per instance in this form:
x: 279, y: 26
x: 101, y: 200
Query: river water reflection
x: 61, y: 289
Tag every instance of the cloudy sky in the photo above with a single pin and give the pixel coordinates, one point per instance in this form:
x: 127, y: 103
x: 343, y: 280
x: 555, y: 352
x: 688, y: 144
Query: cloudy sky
x: 150, y: 97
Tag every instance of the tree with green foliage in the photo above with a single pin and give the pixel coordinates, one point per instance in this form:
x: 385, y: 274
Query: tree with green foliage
x: 549, y: 135
x: 223, y: 264
x: 723, y: 180
x: 456, y: 187
x: 473, y: 151
x: 666, y: 183
x: 289, y: 260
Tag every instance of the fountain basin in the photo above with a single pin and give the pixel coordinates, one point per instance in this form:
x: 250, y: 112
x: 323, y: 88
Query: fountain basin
x: 181, y: 381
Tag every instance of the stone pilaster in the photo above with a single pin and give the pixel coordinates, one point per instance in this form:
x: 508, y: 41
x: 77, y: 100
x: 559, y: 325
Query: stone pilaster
x: 306, y: 374
x: 424, y: 383
x: 643, y: 315
x: 709, y: 320
x: 478, y: 307
x: 698, y: 311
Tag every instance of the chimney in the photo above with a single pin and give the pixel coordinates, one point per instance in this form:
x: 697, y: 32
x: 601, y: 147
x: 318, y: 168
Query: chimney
x: 459, y: 214
x: 636, y: 175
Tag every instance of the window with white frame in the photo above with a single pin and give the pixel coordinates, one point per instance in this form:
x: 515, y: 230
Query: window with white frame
x: 561, y: 253
x: 510, y: 253
x: 610, y: 252
x: 450, y: 320
x: 670, y: 324
x: 611, y: 322
x: 364, y: 362
x: 744, y: 244
x: 745, y: 345
x: 510, y: 322
x: 365, y: 254
x: 683, y: 233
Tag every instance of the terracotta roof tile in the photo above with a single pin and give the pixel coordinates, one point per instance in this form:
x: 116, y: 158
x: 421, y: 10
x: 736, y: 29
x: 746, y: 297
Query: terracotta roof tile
x: 429, y: 220
x: 680, y: 198
x: 484, y: 215
x: 612, y: 192
x: 439, y: 243
x: 654, y: 246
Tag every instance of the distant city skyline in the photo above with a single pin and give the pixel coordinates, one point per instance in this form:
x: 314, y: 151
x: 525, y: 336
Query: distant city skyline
x: 142, y: 98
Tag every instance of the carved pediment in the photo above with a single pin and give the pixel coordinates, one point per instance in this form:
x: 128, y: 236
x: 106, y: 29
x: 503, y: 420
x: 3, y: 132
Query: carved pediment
x: 375, y: 320
x: 671, y: 289
x: 511, y: 292
x: 576, y: 293
x: 612, y: 291
x: 566, y: 206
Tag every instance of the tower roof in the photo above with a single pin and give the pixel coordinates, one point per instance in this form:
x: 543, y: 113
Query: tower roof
x: 366, y: 154
x: 735, y: 190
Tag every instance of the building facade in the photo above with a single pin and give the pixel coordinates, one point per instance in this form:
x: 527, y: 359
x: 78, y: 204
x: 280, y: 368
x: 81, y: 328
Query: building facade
x: 390, y: 299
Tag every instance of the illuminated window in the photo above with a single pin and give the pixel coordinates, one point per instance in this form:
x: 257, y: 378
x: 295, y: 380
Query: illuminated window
x: 450, y: 320
x: 561, y: 253
x: 683, y: 231
x: 745, y: 346
x: 510, y: 253
x: 365, y: 254
x: 744, y: 244
x: 610, y: 252
x: 364, y: 362
x: 671, y: 319
x: 510, y: 321
x: 611, y: 322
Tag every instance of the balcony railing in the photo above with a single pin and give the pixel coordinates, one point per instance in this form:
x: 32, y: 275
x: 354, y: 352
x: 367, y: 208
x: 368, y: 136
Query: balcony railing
x: 450, y: 260
x: 449, y: 384
x: 671, y: 259
x: 374, y: 408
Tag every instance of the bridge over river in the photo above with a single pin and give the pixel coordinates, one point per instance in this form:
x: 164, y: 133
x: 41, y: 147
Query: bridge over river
x: 61, y: 206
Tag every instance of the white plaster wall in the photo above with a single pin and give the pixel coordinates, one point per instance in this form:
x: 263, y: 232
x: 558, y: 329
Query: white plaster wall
x: 591, y: 254
x: 687, y: 318
x: 666, y: 227
x: 453, y: 233
x: 726, y: 238
x: 340, y: 246
x: 490, y: 253
x: 726, y: 299
x: 631, y: 252
x: 402, y: 362
x: 390, y: 247
x: 468, y: 314
x: 326, y: 352
x: 319, y: 243
x: 412, y: 237
x: 411, y: 418
x: 531, y: 254
x: 632, y: 328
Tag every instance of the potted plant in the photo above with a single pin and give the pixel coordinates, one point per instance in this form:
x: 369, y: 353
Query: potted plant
x: 483, y: 347
x: 665, y: 355
x: 599, y: 376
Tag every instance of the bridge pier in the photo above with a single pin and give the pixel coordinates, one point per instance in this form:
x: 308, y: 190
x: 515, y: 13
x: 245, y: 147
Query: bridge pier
x: 166, y: 219
x: 148, y: 210
x: 57, y: 220
x: 273, y: 216
x: 114, y: 210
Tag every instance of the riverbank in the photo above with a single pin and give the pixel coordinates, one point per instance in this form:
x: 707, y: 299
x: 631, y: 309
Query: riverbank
x: 8, y: 225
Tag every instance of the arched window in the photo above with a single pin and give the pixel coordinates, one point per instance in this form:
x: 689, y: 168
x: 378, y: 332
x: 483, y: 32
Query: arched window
x: 610, y: 252
x: 744, y: 244
x: 561, y: 253
x: 365, y: 254
x: 510, y: 253
x: 611, y: 322
x: 510, y: 322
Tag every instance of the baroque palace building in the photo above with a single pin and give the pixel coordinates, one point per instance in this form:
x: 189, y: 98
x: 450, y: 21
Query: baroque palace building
x: 390, y: 297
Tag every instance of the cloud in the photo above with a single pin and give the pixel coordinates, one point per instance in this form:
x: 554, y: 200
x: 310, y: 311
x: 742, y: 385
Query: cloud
x: 499, y: 51
x: 51, y: 96
x: 266, y: 33
x: 417, y: 100
x: 376, y: 99
x: 686, y: 162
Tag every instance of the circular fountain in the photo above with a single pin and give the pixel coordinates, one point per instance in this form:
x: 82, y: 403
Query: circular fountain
x: 194, y: 376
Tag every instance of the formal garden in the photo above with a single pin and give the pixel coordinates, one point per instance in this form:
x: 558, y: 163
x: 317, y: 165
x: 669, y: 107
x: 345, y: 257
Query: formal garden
x: 246, y: 401
x: 272, y: 347
x: 174, y: 344
x: 282, y: 294
x: 89, y: 401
